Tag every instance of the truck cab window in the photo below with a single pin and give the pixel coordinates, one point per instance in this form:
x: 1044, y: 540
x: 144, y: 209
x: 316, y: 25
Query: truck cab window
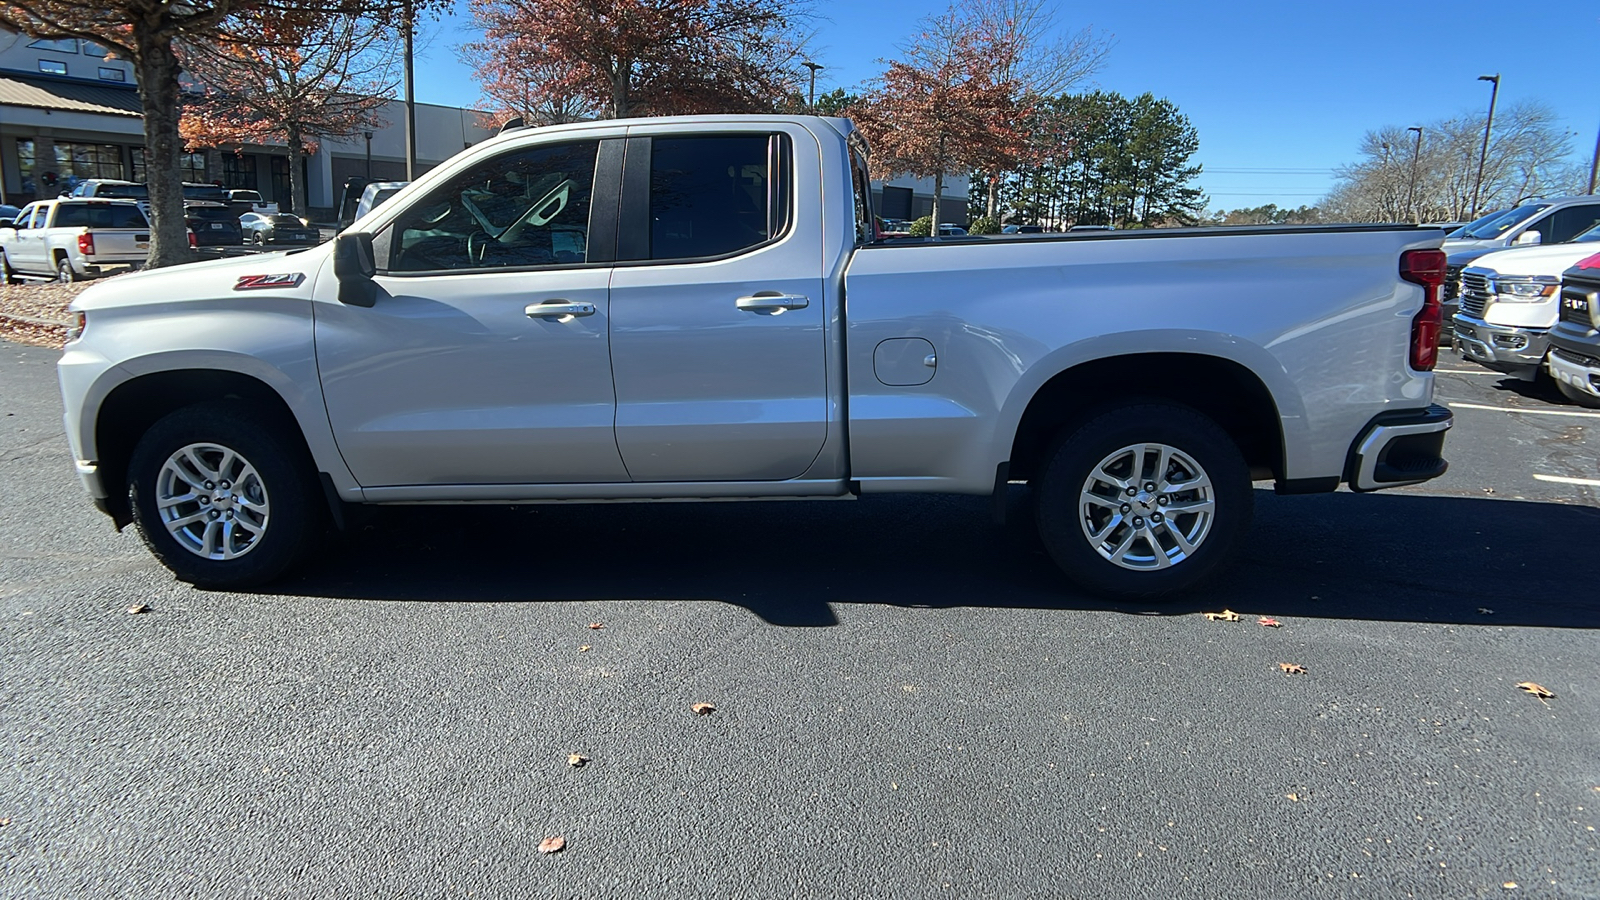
x: 714, y: 195
x: 526, y: 208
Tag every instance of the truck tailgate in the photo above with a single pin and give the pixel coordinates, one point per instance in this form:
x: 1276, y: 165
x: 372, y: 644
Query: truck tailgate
x: 112, y: 245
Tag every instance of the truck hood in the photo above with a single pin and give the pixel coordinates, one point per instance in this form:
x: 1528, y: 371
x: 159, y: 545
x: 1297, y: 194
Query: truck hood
x: 1551, y: 260
x: 214, y: 280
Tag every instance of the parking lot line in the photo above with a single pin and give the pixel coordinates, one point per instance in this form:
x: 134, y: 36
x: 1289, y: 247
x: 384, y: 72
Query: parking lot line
x: 1536, y: 412
x: 1562, y: 479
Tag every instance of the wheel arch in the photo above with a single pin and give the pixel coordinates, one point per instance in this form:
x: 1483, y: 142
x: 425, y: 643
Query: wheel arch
x: 1223, y: 389
x: 129, y: 408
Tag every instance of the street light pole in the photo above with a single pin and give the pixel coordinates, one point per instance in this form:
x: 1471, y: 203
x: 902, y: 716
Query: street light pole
x: 1494, y: 94
x: 368, y: 136
x: 811, y: 102
x: 1594, y: 167
x: 1411, y: 193
x: 407, y: 30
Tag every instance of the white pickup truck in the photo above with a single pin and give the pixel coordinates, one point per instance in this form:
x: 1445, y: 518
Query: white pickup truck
x: 74, y: 239
x: 1508, y: 304
x: 700, y: 308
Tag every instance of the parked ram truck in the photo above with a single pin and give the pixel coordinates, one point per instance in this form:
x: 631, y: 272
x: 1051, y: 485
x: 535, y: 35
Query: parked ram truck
x: 1508, y: 304
x: 1574, y: 358
x: 70, y: 240
x: 698, y: 308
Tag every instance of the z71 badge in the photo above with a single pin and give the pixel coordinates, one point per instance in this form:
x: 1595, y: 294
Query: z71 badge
x: 260, y: 282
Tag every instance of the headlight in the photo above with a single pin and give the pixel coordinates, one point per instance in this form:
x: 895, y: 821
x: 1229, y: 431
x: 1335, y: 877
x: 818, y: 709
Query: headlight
x: 1525, y: 290
x: 305, y: 221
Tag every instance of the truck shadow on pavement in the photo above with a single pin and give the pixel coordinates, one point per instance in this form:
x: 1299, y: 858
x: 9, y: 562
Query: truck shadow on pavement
x: 1385, y: 557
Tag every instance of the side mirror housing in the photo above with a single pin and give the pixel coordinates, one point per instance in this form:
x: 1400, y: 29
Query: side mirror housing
x: 354, y: 264
x: 1528, y: 238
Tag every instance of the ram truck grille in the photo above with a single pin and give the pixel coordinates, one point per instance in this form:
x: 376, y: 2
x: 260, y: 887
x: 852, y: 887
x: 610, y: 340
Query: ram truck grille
x: 1474, y: 294
x: 1577, y: 306
x: 1452, y: 282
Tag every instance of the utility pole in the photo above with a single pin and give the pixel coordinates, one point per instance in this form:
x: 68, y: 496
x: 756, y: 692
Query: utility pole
x: 408, y: 27
x: 811, y: 102
x: 1411, y: 194
x: 1494, y: 94
x: 368, y: 136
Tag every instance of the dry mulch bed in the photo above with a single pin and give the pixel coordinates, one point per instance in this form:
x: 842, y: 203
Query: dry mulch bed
x: 37, y: 313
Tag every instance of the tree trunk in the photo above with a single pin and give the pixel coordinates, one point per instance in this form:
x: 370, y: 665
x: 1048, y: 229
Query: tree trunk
x: 619, y: 93
x: 993, y: 209
x: 938, y: 190
x: 297, y: 182
x: 157, y: 65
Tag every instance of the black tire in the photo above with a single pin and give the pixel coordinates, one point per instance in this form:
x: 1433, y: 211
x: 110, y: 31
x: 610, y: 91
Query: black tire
x: 64, y: 272
x: 281, y: 472
x: 1063, y: 522
x: 11, y: 276
x: 258, y: 239
x: 1588, y: 401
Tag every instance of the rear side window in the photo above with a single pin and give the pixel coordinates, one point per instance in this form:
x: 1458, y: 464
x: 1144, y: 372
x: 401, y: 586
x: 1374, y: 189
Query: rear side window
x: 99, y: 215
x: 714, y: 195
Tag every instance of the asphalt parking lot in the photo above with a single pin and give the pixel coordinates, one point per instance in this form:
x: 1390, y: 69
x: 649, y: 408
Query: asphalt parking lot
x: 909, y: 702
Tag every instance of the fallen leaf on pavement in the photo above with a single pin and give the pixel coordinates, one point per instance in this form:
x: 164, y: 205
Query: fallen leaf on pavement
x: 703, y: 709
x: 1292, y: 668
x: 1294, y: 797
x: 1269, y: 622
x: 596, y: 626
x: 138, y: 608
x: 1226, y: 615
x: 1509, y: 885
x: 585, y: 648
x: 1538, y: 690
x: 552, y: 844
x: 577, y: 761
x: 4, y: 822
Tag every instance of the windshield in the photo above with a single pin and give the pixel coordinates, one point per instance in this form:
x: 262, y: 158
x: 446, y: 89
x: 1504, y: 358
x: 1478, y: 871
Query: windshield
x: 1497, y: 223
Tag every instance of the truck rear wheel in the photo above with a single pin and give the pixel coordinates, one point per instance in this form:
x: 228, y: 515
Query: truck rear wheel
x: 220, y: 499
x: 64, y: 272
x: 1144, y: 501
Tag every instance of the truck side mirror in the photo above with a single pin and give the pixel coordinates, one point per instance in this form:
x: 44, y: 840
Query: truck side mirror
x: 354, y: 264
x: 1527, y: 238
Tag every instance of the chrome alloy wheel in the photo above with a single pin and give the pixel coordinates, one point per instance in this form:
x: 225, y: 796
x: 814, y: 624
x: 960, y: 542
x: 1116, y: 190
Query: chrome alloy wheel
x: 1147, y: 507
x: 212, y: 501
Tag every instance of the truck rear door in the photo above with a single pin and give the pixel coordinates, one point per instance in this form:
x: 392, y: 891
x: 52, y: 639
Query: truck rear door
x: 718, y: 314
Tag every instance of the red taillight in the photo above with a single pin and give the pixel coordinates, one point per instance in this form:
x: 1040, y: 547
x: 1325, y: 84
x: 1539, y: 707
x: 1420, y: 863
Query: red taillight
x: 1427, y: 268
x: 86, y: 244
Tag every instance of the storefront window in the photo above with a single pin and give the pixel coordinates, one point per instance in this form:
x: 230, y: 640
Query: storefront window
x: 78, y: 162
x: 192, y: 165
x: 238, y: 171
x: 25, y: 164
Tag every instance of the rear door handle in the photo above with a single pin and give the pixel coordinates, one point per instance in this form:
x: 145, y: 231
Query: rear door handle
x: 771, y: 301
x: 559, y: 310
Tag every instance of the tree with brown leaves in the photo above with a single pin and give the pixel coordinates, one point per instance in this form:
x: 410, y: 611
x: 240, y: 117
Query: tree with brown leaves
x: 948, y: 106
x: 292, y: 81
x: 638, y: 57
x: 148, y: 33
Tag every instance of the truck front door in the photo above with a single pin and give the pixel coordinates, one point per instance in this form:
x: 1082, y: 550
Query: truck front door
x: 485, y: 359
x: 717, y: 310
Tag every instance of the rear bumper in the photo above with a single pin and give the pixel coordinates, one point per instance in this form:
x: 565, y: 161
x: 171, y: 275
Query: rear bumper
x: 1399, y: 448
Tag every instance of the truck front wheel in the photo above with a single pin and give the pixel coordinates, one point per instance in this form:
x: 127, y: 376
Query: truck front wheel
x: 219, y: 499
x: 1144, y: 501
x: 11, y: 276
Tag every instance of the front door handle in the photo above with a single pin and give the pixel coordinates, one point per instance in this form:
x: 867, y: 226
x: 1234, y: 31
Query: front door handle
x: 771, y: 301
x: 559, y: 310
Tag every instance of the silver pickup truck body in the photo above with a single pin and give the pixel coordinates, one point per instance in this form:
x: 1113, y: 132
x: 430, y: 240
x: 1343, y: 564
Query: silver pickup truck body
x: 818, y: 363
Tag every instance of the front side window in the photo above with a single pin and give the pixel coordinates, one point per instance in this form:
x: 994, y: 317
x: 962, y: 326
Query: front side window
x: 713, y: 195
x: 524, y: 208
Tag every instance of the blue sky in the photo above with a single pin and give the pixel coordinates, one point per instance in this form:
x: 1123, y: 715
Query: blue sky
x: 1280, y: 93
